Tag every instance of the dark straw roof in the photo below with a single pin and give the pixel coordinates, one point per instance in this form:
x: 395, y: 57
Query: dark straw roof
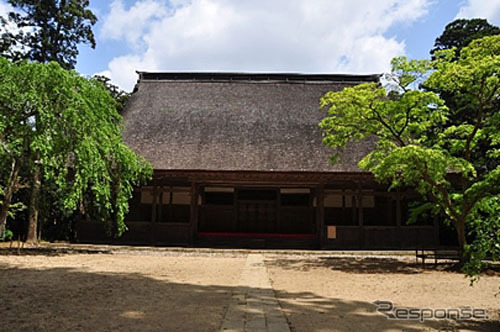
x: 235, y: 121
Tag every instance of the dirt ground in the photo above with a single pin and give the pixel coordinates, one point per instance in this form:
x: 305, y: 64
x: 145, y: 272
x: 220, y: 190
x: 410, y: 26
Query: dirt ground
x: 190, y: 292
x: 102, y: 292
x: 336, y: 294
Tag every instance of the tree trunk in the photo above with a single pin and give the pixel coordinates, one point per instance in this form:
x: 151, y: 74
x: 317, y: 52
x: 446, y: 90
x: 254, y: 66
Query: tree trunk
x: 31, y: 238
x: 9, y: 192
x: 460, y: 226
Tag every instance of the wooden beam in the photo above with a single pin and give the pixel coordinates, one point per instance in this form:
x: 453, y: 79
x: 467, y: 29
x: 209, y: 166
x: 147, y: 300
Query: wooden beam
x: 260, y: 177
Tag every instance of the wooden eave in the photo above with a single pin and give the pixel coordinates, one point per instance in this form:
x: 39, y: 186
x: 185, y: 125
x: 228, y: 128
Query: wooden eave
x: 259, y: 177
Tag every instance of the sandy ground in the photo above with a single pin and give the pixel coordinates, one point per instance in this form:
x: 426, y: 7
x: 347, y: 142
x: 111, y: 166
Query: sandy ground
x: 102, y: 292
x: 336, y: 294
x: 178, y: 291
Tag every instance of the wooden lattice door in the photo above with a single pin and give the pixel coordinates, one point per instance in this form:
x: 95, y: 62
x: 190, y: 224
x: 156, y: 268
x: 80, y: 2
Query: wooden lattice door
x: 257, y: 211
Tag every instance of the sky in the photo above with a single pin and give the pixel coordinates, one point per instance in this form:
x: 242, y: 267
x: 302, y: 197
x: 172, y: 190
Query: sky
x: 304, y: 36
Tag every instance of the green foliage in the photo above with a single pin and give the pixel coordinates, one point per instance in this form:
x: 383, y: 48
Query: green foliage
x: 121, y: 97
x: 8, y: 235
x: 416, y: 141
x: 419, y: 209
x: 13, y: 208
x: 48, y: 30
x: 70, y: 123
x: 485, y: 230
x: 406, y: 74
x: 473, y: 81
x: 461, y: 32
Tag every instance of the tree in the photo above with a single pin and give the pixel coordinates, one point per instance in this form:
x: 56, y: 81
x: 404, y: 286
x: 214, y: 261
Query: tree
x: 48, y: 30
x: 461, y: 32
x: 417, y: 144
x: 121, y: 97
x: 45, y: 31
x: 71, y: 125
x: 7, y: 207
x: 17, y: 109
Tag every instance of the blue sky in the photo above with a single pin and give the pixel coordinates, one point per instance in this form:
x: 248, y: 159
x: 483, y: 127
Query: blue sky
x: 311, y: 36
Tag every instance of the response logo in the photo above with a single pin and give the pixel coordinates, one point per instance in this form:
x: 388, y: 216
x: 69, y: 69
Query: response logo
x: 388, y: 309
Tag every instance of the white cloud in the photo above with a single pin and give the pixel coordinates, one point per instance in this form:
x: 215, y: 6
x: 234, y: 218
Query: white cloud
x: 122, y: 70
x: 488, y: 9
x: 261, y: 35
x: 131, y: 23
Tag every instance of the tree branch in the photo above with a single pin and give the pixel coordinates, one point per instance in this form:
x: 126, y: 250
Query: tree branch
x: 441, y: 189
x: 479, y: 119
x: 391, y: 130
x: 5, y: 147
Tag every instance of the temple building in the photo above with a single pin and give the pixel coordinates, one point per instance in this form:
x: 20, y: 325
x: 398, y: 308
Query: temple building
x: 239, y: 162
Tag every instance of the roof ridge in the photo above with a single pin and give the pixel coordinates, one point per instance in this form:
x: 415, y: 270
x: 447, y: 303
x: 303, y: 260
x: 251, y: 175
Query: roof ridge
x: 260, y: 77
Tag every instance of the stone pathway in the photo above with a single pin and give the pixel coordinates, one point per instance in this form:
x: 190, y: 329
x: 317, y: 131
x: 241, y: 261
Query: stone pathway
x: 253, y: 306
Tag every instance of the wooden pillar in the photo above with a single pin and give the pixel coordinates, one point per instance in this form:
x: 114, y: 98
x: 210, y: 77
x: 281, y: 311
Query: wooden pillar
x: 277, y: 225
x: 359, y: 201
x: 159, y: 210
x: 170, y: 211
x: 195, y: 189
x: 400, y: 234
x: 153, y: 214
x: 320, y: 212
x: 236, y: 209
x: 399, y: 198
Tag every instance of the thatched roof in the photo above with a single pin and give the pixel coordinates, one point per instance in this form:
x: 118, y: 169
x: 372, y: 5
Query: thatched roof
x: 227, y: 121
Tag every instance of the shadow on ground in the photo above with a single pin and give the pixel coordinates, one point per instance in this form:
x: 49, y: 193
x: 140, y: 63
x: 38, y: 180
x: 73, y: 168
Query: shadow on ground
x: 78, y: 300
x: 370, y: 265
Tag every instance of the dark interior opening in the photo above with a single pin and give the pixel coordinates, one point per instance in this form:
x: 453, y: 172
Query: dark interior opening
x: 379, y: 210
x: 295, y: 199
x: 219, y: 198
x: 257, y: 195
x: 257, y: 211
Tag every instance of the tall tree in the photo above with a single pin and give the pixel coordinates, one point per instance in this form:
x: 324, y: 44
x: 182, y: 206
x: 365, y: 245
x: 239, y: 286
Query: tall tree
x: 48, y: 30
x: 17, y: 110
x: 461, y: 32
x: 72, y: 127
x: 45, y: 31
x: 11, y: 155
x: 448, y: 165
x: 458, y: 34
